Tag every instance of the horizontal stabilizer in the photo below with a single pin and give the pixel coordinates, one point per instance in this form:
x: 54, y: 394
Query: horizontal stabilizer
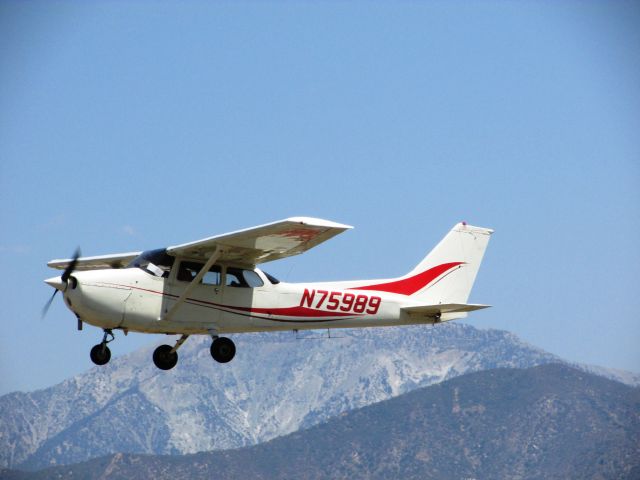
x: 434, y: 310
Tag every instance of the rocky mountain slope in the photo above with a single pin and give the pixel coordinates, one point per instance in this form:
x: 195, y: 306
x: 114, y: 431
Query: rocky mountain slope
x: 275, y: 385
x: 545, y: 422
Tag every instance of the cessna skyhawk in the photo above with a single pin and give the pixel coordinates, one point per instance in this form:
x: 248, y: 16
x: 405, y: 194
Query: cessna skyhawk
x: 213, y: 287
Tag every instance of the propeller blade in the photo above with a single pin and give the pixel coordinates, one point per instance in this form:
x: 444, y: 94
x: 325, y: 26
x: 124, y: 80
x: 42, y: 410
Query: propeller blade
x: 64, y: 277
x: 48, y: 304
x: 71, y: 267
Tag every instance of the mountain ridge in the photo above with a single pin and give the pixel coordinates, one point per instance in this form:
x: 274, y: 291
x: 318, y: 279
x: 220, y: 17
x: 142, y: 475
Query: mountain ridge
x: 275, y: 386
x: 548, y: 421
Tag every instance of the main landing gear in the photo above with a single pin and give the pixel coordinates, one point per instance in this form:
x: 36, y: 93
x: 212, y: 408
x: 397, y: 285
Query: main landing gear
x: 165, y: 357
x: 222, y: 349
x: 100, y: 353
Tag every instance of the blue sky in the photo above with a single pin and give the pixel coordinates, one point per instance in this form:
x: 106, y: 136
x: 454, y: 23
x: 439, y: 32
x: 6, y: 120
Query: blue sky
x: 128, y: 126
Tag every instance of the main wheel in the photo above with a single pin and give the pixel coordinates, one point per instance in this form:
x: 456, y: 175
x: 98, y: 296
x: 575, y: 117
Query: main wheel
x: 163, y: 358
x: 223, y: 349
x: 100, y: 354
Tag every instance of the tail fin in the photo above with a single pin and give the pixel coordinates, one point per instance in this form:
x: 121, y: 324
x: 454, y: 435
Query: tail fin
x: 449, y: 270
x: 447, y: 273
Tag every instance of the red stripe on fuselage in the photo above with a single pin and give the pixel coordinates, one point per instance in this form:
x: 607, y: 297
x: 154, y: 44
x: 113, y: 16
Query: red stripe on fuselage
x: 291, y: 311
x: 409, y: 286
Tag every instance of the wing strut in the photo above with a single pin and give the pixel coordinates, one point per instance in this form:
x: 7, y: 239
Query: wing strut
x: 196, y: 280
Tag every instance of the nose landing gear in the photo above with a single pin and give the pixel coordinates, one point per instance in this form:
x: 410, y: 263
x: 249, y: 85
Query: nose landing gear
x: 100, y: 353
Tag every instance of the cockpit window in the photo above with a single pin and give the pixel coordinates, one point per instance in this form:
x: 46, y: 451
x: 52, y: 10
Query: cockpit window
x: 271, y: 278
x: 188, y: 271
x: 157, y: 262
x: 238, y: 277
x: 252, y: 278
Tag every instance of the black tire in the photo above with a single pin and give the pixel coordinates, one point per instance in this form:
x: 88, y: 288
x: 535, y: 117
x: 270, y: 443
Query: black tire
x: 163, y: 358
x: 100, y: 354
x: 223, y: 350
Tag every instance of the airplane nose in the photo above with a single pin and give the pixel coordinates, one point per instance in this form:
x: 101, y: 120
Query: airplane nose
x: 55, y: 282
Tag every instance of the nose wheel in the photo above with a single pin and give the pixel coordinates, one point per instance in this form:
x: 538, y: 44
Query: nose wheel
x: 100, y: 353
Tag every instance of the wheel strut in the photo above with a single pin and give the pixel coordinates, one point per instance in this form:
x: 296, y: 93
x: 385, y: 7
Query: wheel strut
x: 107, y: 333
x: 179, y: 343
x: 100, y: 353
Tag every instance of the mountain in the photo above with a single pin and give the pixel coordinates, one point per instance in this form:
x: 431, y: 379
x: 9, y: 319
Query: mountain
x: 546, y: 422
x: 275, y: 385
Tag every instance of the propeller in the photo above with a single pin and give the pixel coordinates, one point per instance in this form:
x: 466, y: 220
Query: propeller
x: 71, y: 267
x: 64, y: 278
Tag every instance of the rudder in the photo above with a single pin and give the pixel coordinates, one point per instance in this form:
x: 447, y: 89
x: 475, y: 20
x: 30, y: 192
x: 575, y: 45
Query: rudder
x: 454, y: 264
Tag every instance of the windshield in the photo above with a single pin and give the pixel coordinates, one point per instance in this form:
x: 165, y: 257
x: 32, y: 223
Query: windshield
x: 157, y: 262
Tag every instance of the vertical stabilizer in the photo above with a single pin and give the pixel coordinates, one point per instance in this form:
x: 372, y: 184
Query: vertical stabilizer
x: 452, y: 265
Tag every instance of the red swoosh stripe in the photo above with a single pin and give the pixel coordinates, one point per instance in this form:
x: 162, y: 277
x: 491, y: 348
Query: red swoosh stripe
x: 291, y: 311
x: 409, y: 286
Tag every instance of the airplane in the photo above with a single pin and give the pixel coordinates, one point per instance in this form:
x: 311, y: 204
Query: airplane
x: 213, y: 287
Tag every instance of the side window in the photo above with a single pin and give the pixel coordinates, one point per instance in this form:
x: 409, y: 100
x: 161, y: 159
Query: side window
x: 188, y: 271
x: 252, y: 278
x: 212, y: 277
x: 238, y: 277
x: 271, y: 278
x: 235, y: 278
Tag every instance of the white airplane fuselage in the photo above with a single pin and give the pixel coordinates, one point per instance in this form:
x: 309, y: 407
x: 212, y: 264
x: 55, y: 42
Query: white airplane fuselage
x: 135, y: 300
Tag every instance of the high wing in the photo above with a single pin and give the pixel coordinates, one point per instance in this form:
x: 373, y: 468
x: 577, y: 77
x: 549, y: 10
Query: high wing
x: 116, y: 260
x: 263, y: 243
x: 249, y: 247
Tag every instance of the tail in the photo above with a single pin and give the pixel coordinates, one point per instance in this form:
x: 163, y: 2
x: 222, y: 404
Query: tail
x: 447, y: 273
